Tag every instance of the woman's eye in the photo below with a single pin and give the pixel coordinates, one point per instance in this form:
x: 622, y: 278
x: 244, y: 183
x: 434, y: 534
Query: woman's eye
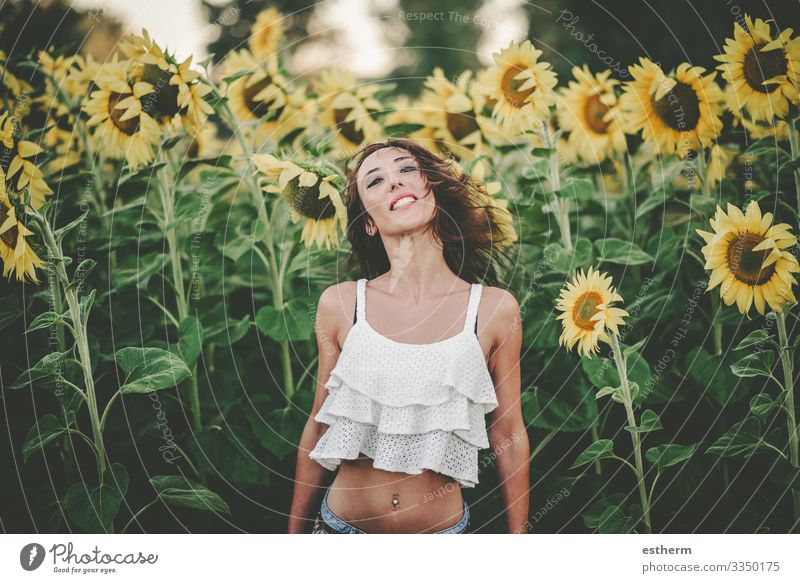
x: 403, y: 169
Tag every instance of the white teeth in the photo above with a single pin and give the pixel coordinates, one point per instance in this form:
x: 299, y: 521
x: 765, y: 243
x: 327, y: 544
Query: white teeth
x: 403, y: 202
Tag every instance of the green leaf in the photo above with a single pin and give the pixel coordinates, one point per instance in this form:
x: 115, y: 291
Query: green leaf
x: 628, y: 350
x: 191, y: 340
x: 139, y: 272
x: 49, y: 365
x: 664, y: 456
x: 579, y: 188
x: 742, y: 439
x: 614, y: 521
x: 566, y: 404
x: 145, y: 172
x: 600, y: 449
x: 606, y: 391
x: 762, y: 405
x: 43, y: 432
x: 754, y: 365
x: 81, y: 273
x: 764, y: 146
x: 613, y: 250
x: 190, y: 164
x: 649, y: 421
x: 657, y: 198
x: 94, y: 511
x: 278, y: 431
x: 591, y: 518
x: 150, y: 369
x: 46, y: 320
x: 62, y: 232
x: 292, y: 323
x: 714, y: 377
x: 755, y: 337
x: 184, y: 492
x: 233, y: 454
x: 602, y: 371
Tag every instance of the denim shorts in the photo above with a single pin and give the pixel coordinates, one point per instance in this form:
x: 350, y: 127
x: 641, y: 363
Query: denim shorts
x: 327, y: 522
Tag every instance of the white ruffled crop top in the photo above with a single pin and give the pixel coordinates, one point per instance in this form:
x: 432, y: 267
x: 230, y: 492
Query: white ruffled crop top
x: 409, y: 407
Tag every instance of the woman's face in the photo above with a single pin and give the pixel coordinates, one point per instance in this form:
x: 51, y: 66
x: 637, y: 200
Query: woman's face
x: 395, y: 191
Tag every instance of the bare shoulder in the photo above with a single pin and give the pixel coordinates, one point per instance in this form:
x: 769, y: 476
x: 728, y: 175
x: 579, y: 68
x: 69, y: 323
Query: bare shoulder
x: 335, y: 302
x: 500, y: 304
x: 500, y: 313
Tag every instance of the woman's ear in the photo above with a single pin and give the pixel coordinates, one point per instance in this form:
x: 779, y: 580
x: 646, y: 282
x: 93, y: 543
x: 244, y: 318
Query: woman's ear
x: 370, y: 228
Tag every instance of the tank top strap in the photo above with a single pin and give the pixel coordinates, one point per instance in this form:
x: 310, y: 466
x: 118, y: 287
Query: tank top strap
x: 361, y: 302
x: 472, y: 307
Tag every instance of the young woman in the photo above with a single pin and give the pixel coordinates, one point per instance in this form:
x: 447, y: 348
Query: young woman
x: 412, y: 359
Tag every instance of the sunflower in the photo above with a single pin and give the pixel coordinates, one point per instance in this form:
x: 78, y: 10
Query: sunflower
x: 267, y: 33
x: 456, y: 114
x: 521, y: 86
x: 756, y: 130
x: 17, y: 169
x: 178, y: 94
x: 305, y: 187
x: 17, y: 255
x: 15, y: 85
x: 764, y: 72
x: 405, y: 113
x: 124, y: 128
x: 585, y: 303
x: 260, y: 93
x: 677, y: 113
x: 587, y: 112
x: 719, y: 159
x: 348, y: 109
x: 750, y: 258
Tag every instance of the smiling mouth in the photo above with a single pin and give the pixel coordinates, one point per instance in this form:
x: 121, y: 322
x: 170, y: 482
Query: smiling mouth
x: 402, y: 202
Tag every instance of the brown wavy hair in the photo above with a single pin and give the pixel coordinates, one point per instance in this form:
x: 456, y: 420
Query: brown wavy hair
x: 474, y: 247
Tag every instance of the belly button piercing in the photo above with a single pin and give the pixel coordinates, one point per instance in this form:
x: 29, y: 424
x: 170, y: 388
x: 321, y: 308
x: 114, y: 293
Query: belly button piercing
x: 395, y: 501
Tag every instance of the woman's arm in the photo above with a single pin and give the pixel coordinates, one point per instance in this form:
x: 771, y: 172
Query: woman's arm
x: 309, y: 475
x: 507, y: 435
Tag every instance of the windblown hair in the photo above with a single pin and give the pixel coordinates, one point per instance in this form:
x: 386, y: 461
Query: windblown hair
x: 463, y: 222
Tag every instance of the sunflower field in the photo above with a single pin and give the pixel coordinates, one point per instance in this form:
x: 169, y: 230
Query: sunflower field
x: 167, y: 227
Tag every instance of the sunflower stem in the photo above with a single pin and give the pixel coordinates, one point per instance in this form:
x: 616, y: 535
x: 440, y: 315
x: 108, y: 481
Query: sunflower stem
x: 560, y: 208
x: 787, y: 360
x: 595, y: 439
x: 794, y: 147
x: 80, y: 334
x: 276, y: 274
x: 702, y: 172
x: 717, y: 325
x: 637, y: 446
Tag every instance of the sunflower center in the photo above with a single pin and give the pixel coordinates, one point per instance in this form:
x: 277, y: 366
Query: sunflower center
x: 127, y: 126
x: 305, y: 200
x: 10, y: 236
x: 679, y: 108
x: 760, y: 67
x: 511, y: 87
x: 746, y: 264
x: 585, y: 308
x: 165, y: 97
x: 461, y: 125
x: 594, y: 110
x: 259, y: 108
x: 347, y: 128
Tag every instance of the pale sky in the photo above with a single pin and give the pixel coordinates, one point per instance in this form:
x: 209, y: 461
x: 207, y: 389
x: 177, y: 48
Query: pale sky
x: 179, y: 26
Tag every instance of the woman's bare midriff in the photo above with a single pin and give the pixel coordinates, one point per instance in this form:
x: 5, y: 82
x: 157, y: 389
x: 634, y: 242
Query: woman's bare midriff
x: 362, y: 495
